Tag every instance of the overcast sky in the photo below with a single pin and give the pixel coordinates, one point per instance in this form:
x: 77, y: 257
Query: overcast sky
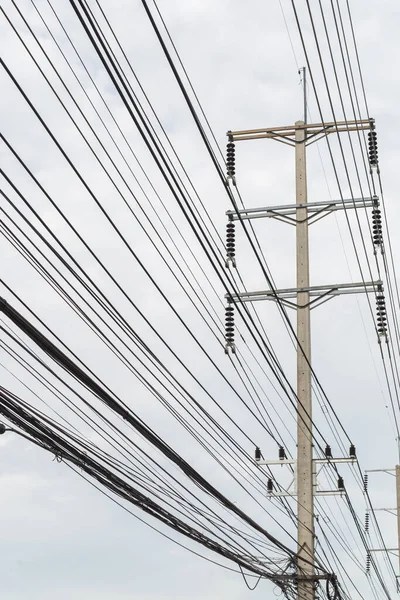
x: 59, y: 536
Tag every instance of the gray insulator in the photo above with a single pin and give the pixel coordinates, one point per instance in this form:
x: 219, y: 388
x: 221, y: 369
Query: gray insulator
x: 372, y: 149
x: 366, y: 522
x: 381, y: 313
x: 230, y: 159
x: 229, y: 330
x: 230, y: 244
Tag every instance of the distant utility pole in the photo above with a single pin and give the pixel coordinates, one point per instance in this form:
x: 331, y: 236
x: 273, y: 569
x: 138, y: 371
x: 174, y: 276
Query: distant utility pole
x: 398, y: 509
x: 393, y: 511
x: 301, y: 215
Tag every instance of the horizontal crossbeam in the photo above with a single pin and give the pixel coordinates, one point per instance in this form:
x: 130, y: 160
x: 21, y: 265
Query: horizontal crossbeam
x: 379, y: 470
x: 319, y: 292
x: 313, y: 208
x: 307, y: 126
x: 296, y: 577
x: 318, y: 461
x: 326, y: 461
x: 287, y: 134
x: 316, y: 493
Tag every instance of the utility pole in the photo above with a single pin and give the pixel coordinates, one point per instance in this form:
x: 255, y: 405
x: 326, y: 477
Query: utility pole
x: 393, y: 511
x: 303, y: 299
x: 305, y: 505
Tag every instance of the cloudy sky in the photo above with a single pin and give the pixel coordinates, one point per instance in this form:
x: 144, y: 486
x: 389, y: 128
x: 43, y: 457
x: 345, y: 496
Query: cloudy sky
x: 60, y: 536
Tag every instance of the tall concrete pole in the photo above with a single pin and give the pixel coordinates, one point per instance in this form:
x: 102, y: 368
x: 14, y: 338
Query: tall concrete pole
x: 305, y: 510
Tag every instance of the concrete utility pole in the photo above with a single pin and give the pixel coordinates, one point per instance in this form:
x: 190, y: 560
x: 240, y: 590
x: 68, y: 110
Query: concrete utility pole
x: 305, y: 505
x: 303, y: 298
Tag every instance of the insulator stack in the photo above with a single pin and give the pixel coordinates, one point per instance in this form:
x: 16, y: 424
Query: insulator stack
x: 328, y: 451
x: 270, y: 486
x: 257, y: 454
x: 368, y: 566
x: 365, y: 483
x: 340, y: 483
x: 229, y: 330
x: 367, y: 522
x: 372, y: 150
x: 381, y: 313
x: 282, y: 453
x: 376, y: 226
x: 230, y: 244
x: 230, y: 159
x: 352, y: 451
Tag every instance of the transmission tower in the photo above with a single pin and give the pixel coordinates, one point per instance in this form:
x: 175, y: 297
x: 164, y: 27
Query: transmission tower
x: 303, y: 298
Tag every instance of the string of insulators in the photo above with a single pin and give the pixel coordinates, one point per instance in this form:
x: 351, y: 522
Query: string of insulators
x: 230, y: 159
x: 340, y: 483
x: 328, y: 451
x: 257, y: 453
x: 229, y: 330
x: 352, y: 451
x: 372, y: 149
x: 376, y: 224
x: 365, y: 483
x: 381, y: 313
x: 367, y: 522
x: 270, y: 485
x: 282, y: 453
x: 368, y: 565
x: 230, y: 244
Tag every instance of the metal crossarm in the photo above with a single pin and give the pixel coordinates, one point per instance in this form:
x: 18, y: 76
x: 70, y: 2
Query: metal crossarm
x: 315, y: 210
x: 320, y: 293
x: 314, y: 131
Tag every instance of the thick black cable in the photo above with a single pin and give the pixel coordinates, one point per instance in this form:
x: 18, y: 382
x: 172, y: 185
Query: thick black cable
x: 66, y: 363
x: 223, y: 179
x: 55, y: 444
x: 161, y: 158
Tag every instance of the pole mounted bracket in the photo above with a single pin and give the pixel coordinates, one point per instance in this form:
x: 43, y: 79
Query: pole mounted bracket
x: 291, y: 490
